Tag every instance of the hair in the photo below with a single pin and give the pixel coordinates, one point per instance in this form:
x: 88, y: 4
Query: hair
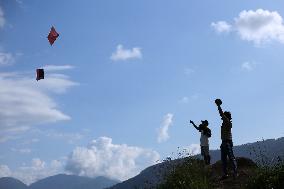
x: 205, y: 122
x: 228, y: 115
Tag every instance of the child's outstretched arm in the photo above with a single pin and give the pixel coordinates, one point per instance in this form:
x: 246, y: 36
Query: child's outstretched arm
x: 222, y: 113
x: 220, y: 110
x: 194, y: 125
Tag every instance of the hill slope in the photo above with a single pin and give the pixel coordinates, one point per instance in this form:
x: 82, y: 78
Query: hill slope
x: 270, y: 149
x: 11, y: 183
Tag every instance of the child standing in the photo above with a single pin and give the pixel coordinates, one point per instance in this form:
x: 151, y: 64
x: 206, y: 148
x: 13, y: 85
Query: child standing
x: 227, y: 142
x: 204, y: 142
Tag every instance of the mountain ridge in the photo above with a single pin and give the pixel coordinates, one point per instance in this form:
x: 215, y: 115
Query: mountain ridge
x: 11, y: 183
x: 59, y: 181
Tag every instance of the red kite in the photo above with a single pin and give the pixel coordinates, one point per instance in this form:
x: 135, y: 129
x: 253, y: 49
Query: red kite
x: 52, y: 36
x: 39, y: 74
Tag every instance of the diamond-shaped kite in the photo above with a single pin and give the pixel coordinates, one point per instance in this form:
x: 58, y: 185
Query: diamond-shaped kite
x: 52, y: 36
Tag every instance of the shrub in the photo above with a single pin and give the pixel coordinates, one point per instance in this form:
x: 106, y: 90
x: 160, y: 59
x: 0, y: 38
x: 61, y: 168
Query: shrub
x: 189, y: 173
x: 268, y: 177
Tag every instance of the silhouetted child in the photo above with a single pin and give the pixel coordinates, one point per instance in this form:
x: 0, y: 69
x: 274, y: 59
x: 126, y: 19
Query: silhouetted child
x: 227, y: 143
x: 204, y: 142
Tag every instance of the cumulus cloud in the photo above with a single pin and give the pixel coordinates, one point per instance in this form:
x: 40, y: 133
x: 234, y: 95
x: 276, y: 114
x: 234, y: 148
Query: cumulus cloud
x: 103, y: 158
x: 57, y: 67
x: 5, y: 171
x: 221, y: 26
x: 125, y: 54
x: 260, y: 26
x: 163, y: 134
x: 38, y: 169
x: 6, y: 58
x: 2, y: 19
x: 26, y: 103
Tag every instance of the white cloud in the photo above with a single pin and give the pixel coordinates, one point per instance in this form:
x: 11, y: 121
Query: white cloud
x: 37, y: 170
x: 260, y: 26
x: 57, y: 67
x: 163, y: 130
x: 2, y: 19
x: 25, y: 102
x: 248, y: 66
x: 125, y: 54
x: 100, y: 158
x: 221, y: 26
x: 37, y: 163
x: 103, y: 158
x: 56, y: 83
x: 6, y: 58
x: 5, y: 171
x: 192, y: 149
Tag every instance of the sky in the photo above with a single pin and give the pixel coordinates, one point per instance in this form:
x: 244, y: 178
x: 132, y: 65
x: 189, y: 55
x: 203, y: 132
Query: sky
x: 124, y: 78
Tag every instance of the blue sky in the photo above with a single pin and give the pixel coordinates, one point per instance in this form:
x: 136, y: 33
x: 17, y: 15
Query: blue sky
x: 125, y: 77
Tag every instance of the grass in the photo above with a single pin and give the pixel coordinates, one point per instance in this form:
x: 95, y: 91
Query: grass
x: 187, y: 173
x: 190, y: 173
x: 270, y: 173
x: 268, y: 177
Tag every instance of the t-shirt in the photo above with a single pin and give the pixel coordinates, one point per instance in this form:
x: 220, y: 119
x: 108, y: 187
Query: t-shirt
x: 226, y: 130
x: 203, y: 139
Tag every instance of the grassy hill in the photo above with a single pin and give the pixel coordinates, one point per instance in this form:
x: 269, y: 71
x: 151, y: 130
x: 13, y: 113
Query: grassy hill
x: 194, y: 174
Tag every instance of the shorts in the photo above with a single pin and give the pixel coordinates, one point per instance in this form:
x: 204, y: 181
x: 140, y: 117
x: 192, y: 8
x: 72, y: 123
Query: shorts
x: 204, y: 150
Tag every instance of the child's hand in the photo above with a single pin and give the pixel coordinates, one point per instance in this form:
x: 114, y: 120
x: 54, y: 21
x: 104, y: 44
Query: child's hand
x: 191, y: 122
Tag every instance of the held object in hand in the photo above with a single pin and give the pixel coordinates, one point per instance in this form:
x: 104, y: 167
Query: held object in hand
x: 218, y: 101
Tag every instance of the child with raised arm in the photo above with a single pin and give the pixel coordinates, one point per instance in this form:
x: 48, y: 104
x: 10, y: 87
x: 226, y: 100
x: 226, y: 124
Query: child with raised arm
x: 204, y: 142
x: 227, y: 142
